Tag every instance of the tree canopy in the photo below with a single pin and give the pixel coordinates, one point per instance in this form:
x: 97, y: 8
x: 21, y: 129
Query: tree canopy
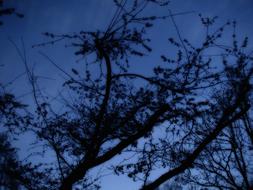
x: 190, y: 120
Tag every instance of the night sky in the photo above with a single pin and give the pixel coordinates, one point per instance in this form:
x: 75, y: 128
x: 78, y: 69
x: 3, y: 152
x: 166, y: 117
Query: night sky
x: 64, y: 16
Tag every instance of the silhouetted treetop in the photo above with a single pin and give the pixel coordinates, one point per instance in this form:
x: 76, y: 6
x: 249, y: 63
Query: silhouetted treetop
x: 183, y: 117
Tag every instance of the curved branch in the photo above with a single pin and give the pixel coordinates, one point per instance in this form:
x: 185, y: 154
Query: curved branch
x: 107, y: 90
x: 81, y: 168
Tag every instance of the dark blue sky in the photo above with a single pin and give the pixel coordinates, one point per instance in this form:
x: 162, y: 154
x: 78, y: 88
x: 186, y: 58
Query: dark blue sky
x: 64, y: 16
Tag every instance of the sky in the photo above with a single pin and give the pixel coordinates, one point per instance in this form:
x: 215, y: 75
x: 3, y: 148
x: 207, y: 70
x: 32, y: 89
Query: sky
x: 64, y: 16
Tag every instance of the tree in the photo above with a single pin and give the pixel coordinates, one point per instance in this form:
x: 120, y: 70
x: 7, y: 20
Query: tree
x: 227, y: 163
x: 7, y: 155
x: 114, y: 111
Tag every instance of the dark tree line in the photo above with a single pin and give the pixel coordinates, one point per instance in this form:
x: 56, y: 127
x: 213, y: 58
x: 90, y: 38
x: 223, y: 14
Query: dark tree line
x: 200, y: 103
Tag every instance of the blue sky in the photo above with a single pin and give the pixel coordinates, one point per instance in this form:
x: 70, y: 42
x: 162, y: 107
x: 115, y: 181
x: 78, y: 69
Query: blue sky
x: 64, y: 16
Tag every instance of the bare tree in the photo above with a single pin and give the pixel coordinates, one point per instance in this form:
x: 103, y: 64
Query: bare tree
x: 192, y: 98
x: 226, y: 164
